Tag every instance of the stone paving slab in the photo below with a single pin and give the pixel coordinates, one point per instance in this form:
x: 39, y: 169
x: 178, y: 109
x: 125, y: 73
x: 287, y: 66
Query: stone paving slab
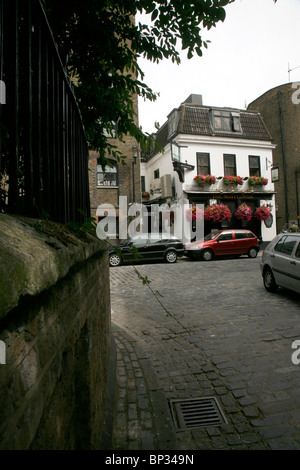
x: 233, y: 342
x: 143, y: 421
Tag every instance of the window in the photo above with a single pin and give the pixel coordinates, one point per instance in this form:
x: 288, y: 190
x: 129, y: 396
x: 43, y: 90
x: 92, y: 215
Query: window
x: 156, y: 174
x: 108, y: 177
x: 139, y: 241
x: 226, y: 121
x: 254, y: 165
x: 222, y: 120
x: 225, y: 236
x: 298, y: 251
x: 203, y: 163
x: 240, y: 235
x: 143, y: 184
x: 111, y: 131
x: 229, y: 165
x: 286, y: 244
x: 236, y: 122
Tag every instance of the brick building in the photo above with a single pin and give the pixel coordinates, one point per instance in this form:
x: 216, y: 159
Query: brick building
x: 280, y: 109
x: 107, y: 186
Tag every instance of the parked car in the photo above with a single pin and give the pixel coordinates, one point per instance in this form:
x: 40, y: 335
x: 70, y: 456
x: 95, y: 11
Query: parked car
x: 280, y: 264
x: 223, y: 243
x: 147, y: 248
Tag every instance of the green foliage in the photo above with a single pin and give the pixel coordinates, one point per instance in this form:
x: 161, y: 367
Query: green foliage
x: 102, y: 43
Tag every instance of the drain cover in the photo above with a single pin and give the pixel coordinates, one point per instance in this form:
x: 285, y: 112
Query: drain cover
x: 196, y: 412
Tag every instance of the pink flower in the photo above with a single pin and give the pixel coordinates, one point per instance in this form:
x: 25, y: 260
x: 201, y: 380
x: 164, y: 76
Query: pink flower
x: 262, y: 213
x: 194, y: 213
x: 243, y: 212
x: 217, y: 213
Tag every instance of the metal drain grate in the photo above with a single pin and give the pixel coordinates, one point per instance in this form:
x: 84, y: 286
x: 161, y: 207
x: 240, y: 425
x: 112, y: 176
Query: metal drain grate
x: 196, y: 412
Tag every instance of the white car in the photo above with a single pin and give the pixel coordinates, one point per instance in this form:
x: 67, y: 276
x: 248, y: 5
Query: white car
x: 280, y: 265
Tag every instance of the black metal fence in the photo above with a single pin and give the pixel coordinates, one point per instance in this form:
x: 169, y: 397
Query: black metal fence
x: 43, y: 148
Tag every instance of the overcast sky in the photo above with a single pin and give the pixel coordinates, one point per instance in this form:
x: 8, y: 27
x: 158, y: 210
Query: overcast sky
x: 248, y: 55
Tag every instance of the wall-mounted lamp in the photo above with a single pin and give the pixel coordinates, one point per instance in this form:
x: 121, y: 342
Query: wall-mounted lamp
x: 134, y: 153
x: 268, y: 164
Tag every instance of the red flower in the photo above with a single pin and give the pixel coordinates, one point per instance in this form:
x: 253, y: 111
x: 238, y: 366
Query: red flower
x: 194, y: 213
x: 243, y: 212
x: 262, y: 213
x: 205, y: 179
x: 217, y: 213
x: 232, y: 180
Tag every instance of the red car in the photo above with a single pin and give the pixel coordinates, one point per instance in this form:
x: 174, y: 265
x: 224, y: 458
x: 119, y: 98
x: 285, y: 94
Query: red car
x: 233, y: 242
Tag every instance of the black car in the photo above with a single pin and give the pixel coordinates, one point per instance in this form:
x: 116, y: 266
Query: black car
x: 147, y: 248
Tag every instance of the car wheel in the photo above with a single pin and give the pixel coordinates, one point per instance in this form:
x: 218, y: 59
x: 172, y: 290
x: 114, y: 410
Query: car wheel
x: 171, y: 256
x: 269, y: 281
x: 115, y: 260
x: 207, y: 255
x: 252, y: 253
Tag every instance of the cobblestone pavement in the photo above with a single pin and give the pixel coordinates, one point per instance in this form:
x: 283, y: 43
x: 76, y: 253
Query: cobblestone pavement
x: 224, y: 337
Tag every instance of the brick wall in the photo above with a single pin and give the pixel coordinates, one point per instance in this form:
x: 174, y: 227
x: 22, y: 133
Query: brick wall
x: 56, y: 329
x: 110, y: 195
x: 287, y: 142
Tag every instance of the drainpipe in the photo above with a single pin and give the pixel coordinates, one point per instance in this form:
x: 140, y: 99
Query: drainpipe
x: 284, y: 161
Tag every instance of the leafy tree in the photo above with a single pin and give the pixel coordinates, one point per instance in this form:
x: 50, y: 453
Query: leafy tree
x: 101, y: 43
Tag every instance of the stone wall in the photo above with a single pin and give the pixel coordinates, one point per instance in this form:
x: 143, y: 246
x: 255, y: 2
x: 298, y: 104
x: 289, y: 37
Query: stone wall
x: 55, y: 324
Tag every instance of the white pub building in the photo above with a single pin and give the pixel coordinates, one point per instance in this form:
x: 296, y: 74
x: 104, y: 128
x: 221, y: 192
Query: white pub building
x: 214, y: 157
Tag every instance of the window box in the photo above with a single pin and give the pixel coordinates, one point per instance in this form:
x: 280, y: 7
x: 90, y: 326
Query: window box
x: 145, y: 196
x: 257, y: 181
x: 205, y: 179
x: 232, y: 180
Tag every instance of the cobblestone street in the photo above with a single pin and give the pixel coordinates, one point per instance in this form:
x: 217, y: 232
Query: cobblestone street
x: 225, y: 338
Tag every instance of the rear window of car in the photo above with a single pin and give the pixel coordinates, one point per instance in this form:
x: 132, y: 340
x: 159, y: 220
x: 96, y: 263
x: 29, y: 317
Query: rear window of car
x: 286, y: 244
x: 240, y: 235
x: 250, y: 235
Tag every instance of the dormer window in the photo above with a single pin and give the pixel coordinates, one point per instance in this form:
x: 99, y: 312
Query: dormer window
x: 236, y: 122
x: 227, y: 121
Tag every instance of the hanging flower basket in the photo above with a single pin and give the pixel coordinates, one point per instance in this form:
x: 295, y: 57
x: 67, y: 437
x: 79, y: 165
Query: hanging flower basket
x: 262, y: 213
x: 243, y: 212
x: 217, y: 213
x: 205, y: 179
x: 194, y: 213
x: 168, y: 215
x: 232, y: 180
x: 257, y: 181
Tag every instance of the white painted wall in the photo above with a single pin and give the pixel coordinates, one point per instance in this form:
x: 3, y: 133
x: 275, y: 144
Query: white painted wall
x: 216, y: 147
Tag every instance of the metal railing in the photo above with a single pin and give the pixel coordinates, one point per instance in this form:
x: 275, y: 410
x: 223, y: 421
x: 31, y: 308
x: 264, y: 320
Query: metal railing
x: 43, y: 147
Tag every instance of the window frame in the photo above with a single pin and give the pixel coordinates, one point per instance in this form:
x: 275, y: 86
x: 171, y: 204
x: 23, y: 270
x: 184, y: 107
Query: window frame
x: 99, y: 171
x: 226, y: 173
x: 258, y: 168
x: 198, y: 157
x: 226, y: 121
x: 282, y: 242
